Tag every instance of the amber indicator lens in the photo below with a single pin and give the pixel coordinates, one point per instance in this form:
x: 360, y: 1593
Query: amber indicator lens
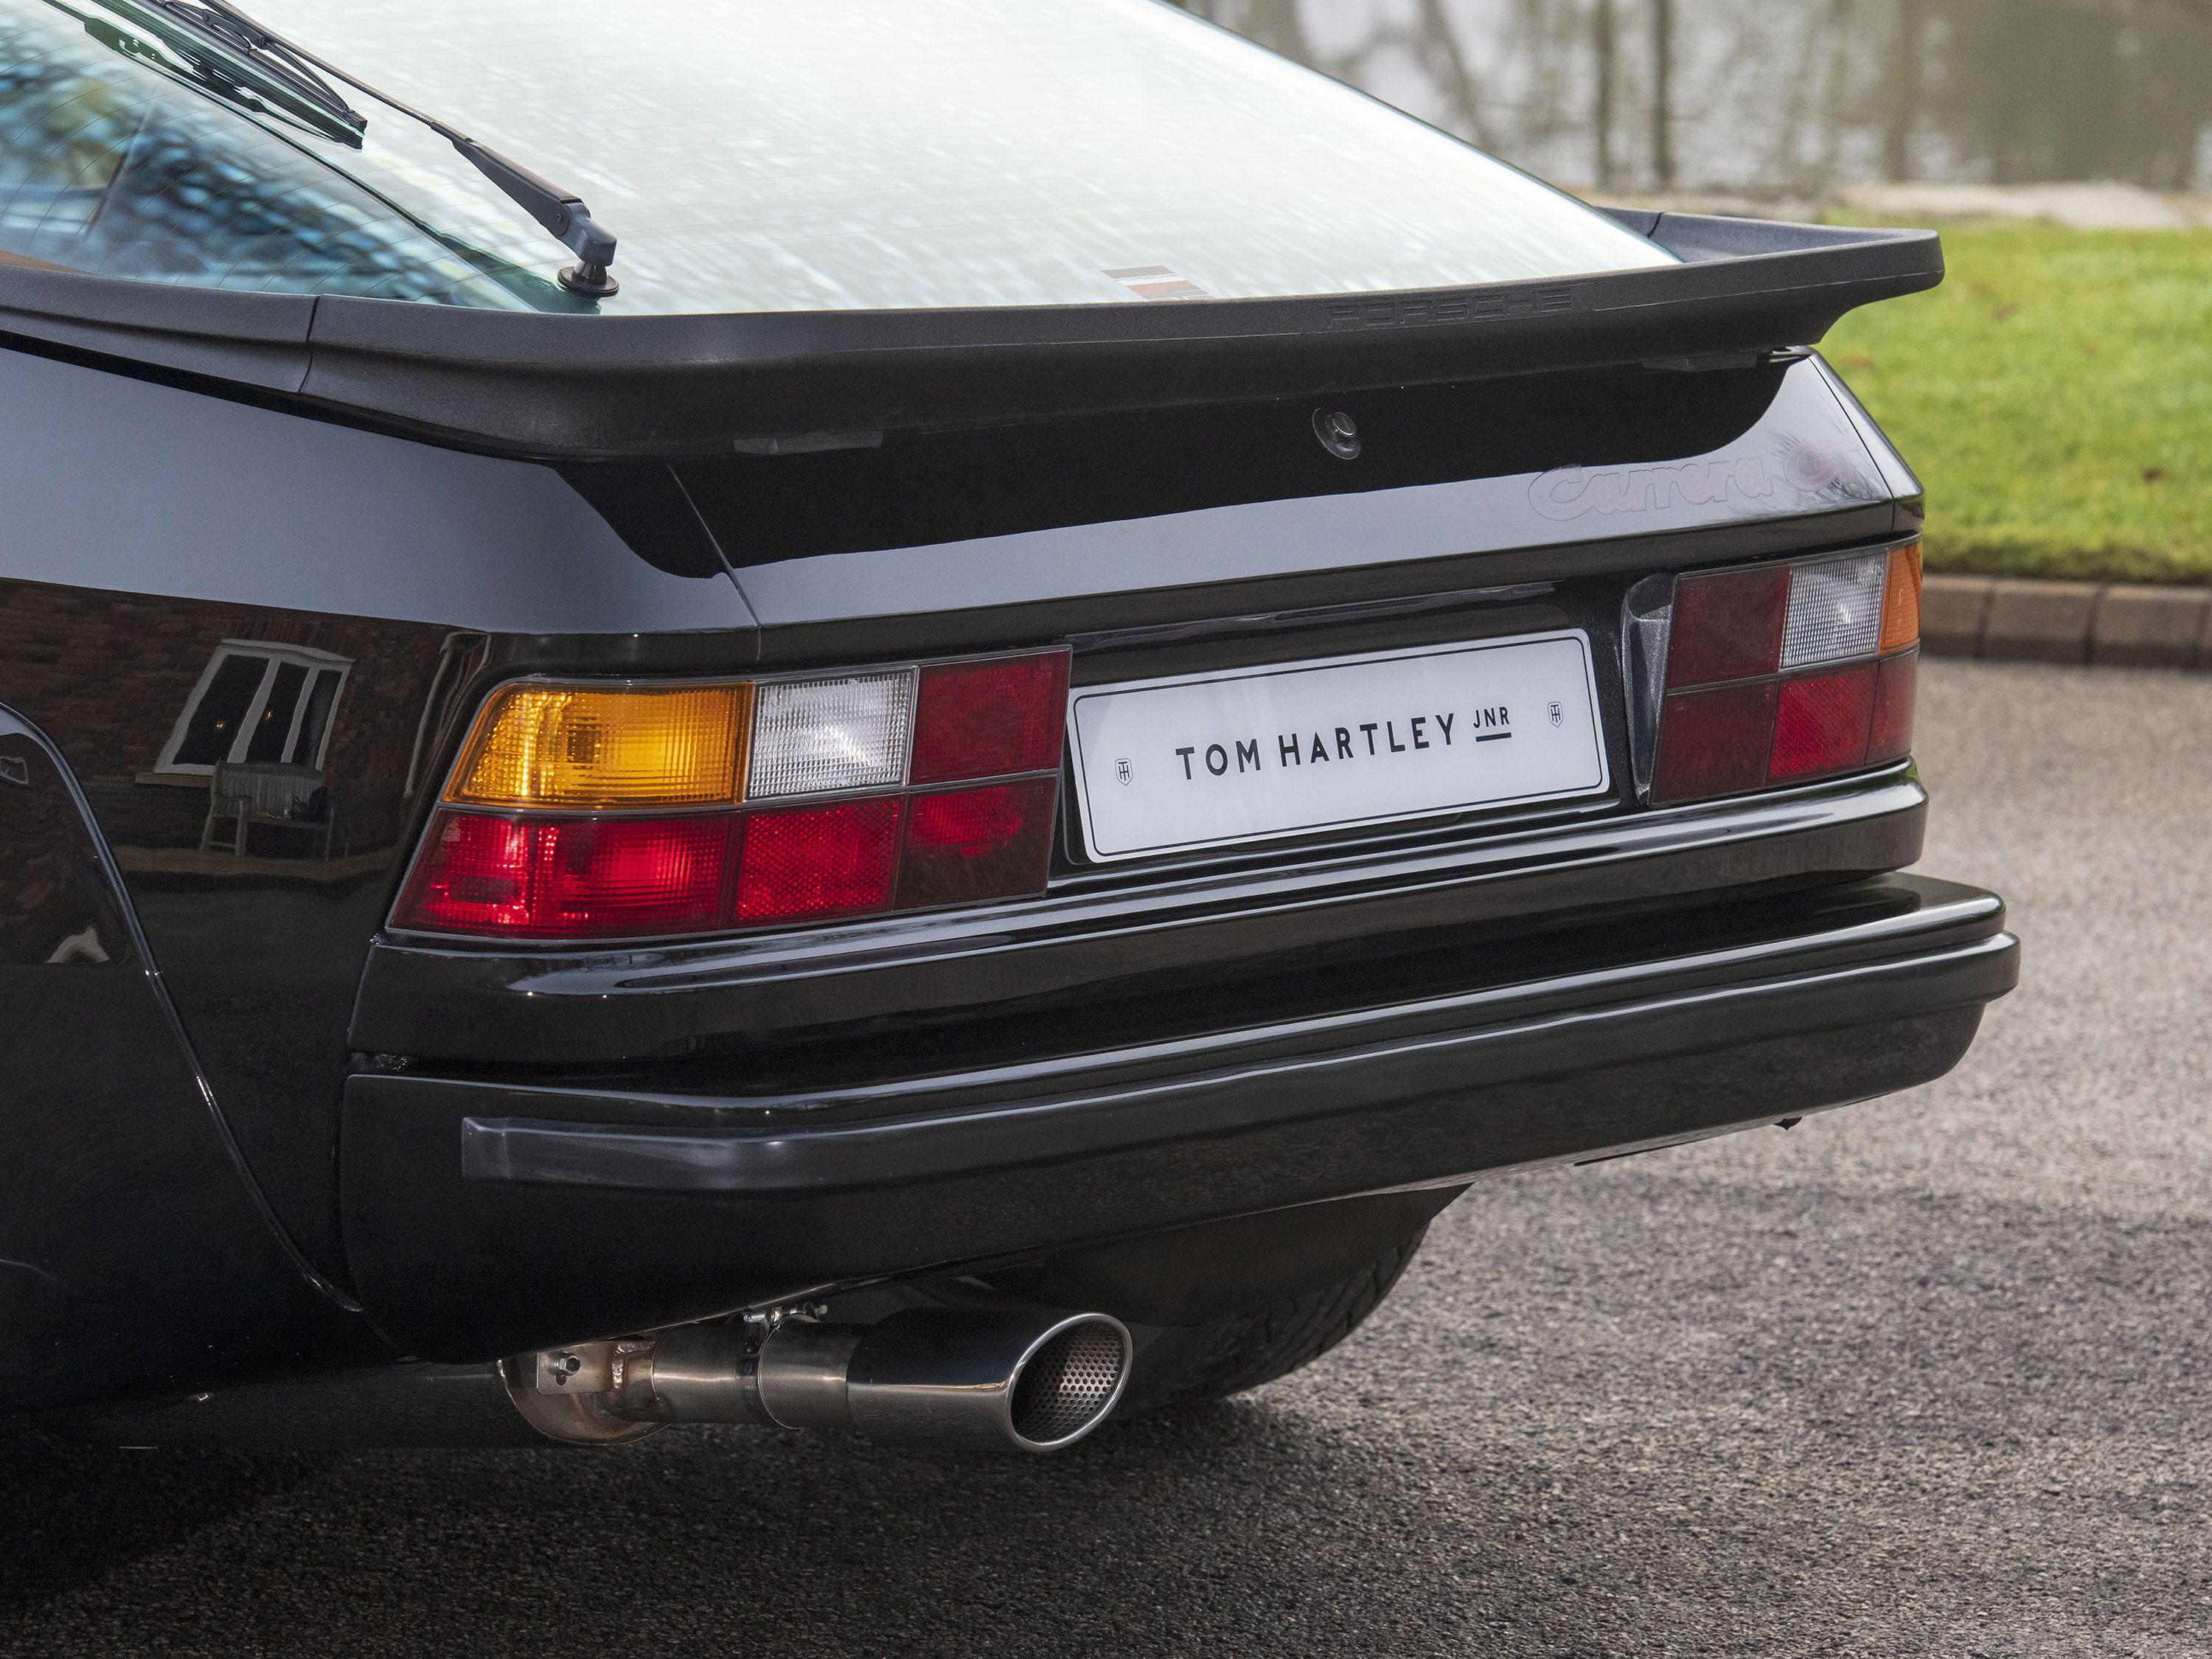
x: 581, y: 747
x: 1900, y: 610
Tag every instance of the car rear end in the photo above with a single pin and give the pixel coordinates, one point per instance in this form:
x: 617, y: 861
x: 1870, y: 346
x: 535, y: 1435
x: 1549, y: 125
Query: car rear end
x: 982, y: 704
x: 950, y: 939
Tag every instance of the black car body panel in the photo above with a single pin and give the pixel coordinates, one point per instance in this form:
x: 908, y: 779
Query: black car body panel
x: 568, y: 1197
x: 432, y: 574
x: 1105, y: 938
x: 584, y: 387
x: 252, y: 1126
x: 133, y: 1249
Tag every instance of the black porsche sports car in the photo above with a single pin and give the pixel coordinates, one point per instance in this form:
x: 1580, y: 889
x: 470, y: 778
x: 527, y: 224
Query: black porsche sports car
x: 912, y: 717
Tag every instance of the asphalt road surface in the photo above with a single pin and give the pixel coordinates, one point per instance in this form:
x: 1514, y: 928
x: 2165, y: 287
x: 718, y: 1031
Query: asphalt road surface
x: 1923, y: 1377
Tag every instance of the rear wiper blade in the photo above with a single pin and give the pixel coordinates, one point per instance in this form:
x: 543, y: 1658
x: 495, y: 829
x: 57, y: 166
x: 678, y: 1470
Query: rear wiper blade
x: 191, y: 53
x: 560, y: 211
x: 288, y: 69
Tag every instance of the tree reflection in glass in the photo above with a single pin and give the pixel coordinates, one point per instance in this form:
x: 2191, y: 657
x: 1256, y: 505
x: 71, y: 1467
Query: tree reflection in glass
x: 110, y: 167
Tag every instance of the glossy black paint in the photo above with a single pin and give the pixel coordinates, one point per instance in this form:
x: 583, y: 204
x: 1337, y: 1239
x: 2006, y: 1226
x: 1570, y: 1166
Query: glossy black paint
x: 611, y: 1207
x: 1111, y: 934
x: 261, y: 951
x: 436, y: 575
x: 133, y: 1256
x: 1013, y: 479
x: 579, y: 387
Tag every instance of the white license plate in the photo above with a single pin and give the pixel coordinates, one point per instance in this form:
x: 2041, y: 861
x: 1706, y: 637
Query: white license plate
x: 1210, y: 760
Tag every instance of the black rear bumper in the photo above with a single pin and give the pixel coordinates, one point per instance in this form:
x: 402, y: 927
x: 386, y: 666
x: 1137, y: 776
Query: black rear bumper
x: 485, y: 1216
x: 1112, y: 934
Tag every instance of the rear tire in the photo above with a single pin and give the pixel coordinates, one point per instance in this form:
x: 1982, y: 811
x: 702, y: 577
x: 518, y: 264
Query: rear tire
x: 1186, y: 1365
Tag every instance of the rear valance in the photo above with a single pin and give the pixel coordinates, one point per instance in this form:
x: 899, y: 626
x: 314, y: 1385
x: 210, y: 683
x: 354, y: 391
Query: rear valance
x: 579, y: 386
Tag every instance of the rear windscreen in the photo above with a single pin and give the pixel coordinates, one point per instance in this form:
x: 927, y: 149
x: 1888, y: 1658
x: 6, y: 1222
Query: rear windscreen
x: 765, y: 155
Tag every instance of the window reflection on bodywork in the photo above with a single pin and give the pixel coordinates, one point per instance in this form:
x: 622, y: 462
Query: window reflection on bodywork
x: 257, y: 701
x: 109, y: 167
x: 212, y: 731
x: 256, y: 725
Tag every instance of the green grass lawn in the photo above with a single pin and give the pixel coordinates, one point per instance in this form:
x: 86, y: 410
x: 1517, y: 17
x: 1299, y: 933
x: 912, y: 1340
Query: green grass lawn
x: 2055, y: 395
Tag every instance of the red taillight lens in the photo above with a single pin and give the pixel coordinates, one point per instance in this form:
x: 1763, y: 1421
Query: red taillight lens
x: 1728, y: 625
x: 814, y: 776
x: 476, y: 875
x: 1714, y: 743
x: 819, y: 861
x: 986, y: 720
x: 1783, y: 672
x: 1891, y: 737
x: 569, y: 878
x: 973, y: 844
x: 1820, y: 723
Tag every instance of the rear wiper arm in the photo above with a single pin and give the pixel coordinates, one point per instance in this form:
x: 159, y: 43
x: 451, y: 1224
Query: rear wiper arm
x: 560, y: 211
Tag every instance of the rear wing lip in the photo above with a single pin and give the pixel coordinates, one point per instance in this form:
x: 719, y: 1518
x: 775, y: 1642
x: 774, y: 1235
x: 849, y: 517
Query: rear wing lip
x: 574, y: 387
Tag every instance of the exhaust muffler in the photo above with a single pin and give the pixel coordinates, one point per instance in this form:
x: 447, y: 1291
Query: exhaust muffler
x: 1031, y: 1380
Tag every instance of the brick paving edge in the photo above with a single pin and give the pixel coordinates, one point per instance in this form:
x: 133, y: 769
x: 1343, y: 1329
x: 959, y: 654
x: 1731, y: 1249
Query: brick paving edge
x: 2005, y: 618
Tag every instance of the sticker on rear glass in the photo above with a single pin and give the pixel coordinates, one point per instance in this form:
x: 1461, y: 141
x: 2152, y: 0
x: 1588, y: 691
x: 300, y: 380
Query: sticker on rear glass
x: 1157, y: 283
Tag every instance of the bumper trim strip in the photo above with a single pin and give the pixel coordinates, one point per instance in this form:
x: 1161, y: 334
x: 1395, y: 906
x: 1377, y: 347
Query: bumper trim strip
x: 763, y: 1163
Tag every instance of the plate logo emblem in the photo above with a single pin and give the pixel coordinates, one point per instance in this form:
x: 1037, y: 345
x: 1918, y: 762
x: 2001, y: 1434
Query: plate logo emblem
x: 1121, y: 773
x: 1556, y: 713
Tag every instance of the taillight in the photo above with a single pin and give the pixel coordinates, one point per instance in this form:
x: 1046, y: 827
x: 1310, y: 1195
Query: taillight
x: 981, y: 720
x: 570, y: 877
x: 967, y: 844
x: 591, y: 746
x: 1782, y: 672
x: 598, y: 811
x: 819, y: 861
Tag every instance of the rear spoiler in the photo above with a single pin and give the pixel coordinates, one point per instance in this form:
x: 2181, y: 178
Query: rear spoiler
x: 581, y: 387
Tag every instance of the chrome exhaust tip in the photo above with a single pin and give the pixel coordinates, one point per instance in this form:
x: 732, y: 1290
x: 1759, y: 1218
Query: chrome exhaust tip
x: 1017, y: 1379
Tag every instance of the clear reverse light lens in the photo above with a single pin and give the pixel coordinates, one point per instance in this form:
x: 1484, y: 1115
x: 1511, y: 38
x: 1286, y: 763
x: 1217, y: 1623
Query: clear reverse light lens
x: 1835, y: 610
x: 811, y: 737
